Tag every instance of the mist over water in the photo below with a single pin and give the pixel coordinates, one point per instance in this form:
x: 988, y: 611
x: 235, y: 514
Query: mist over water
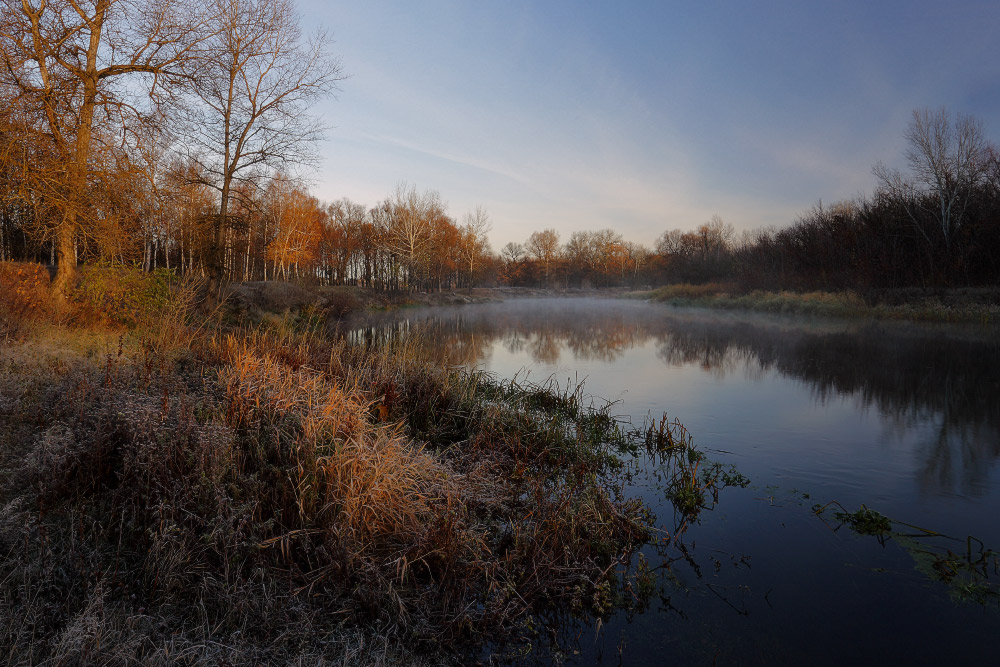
x: 900, y: 417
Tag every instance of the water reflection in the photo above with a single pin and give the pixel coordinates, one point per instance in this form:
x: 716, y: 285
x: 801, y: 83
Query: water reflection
x: 942, y: 380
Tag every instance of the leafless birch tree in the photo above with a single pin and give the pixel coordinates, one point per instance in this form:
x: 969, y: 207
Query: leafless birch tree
x: 475, y: 246
x: 409, y: 232
x: 257, y: 82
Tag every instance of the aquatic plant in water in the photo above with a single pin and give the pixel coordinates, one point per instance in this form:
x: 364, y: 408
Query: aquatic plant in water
x: 688, y: 479
x: 969, y: 569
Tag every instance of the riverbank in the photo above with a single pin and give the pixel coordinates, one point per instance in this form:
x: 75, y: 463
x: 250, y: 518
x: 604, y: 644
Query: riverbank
x: 259, y: 301
x: 195, y: 488
x: 276, y: 297
x: 973, y: 305
x: 265, y: 300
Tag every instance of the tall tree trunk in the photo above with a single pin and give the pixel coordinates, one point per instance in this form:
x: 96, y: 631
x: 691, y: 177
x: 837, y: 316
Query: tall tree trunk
x: 246, y: 261
x: 64, y: 252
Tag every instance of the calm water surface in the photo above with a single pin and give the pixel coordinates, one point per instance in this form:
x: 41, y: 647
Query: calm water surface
x: 905, y: 419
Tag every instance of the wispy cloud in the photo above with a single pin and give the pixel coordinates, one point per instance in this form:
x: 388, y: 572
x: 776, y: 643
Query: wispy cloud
x: 642, y: 119
x: 442, y: 153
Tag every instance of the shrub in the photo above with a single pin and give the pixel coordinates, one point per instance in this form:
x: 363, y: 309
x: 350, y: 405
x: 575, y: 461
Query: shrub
x: 24, y: 294
x: 121, y: 294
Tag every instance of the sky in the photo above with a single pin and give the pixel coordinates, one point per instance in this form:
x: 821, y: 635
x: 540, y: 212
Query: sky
x: 640, y: 116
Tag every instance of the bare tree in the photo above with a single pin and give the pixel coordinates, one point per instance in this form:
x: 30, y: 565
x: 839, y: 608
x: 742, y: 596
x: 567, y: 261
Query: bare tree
x: 190, y: 201
x: 544, y: 246
x: 409, y: 230
x: 608, y: 251
x: 474, y: 244
x: 14, y: 213
x: 580, y: 253
x: 512, y: 252
x: 84, y: 71
x: 669, y: 243
x: 637, y: 255
x: 343, y: 246
x: 257, y: 82
x: 993, y: 167
x: 947, y: 161
x: 715, y: 238
x: 149, y: 179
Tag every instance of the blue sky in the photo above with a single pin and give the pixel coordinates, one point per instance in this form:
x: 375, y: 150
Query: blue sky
x: 641, y: 116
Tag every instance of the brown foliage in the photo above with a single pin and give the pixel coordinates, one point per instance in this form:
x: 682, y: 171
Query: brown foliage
x: 24, y: 295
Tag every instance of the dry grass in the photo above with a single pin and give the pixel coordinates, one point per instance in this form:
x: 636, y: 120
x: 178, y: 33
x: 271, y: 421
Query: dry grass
x: 686, y: 291
x: 24, y: 297
x: 268, y: 495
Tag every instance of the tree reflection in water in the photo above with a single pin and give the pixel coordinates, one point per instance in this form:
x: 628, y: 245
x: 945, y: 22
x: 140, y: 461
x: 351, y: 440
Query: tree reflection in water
x: 947, y: 379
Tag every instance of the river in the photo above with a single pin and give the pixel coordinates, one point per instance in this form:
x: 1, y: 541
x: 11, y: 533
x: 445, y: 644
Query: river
x: 902, y: 418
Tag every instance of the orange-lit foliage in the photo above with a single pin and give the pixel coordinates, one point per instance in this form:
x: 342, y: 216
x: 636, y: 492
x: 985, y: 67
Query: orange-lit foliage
x: 299, y: 222
x: 445, y: 248
x: 24, y: 294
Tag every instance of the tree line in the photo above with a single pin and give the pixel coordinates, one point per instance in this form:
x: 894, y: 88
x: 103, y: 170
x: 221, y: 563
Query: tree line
x: 123, y: 122
x: 161, y: 133
x: 936, y: 224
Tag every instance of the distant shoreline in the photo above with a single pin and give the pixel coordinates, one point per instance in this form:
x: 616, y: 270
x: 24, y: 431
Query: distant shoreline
x: 959, y: 305
x: 256, y: 299
x: 965, y: 305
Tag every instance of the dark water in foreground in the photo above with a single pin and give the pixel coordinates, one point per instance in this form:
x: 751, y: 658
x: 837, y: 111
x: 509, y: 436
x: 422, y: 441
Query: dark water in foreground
x: 904, y: 419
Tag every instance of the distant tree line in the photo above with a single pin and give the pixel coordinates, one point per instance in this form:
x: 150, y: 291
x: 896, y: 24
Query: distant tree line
x: 161, y: 134
x: 935, y: 225
x: 276, y: 230
x: 938, y: 224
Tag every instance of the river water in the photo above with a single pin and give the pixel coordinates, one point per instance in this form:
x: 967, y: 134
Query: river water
x: 904, y: 419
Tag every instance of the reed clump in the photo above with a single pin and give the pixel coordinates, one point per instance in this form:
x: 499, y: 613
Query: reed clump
x: 271, y: 495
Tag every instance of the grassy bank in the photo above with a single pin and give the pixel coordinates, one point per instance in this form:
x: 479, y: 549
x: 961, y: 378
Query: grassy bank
x: 956, y: 305
x: 258, y: 301
x: 187, y: 488
x: 263, y: 300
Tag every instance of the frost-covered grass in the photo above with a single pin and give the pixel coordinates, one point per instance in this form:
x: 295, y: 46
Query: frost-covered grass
x: 186, y: 489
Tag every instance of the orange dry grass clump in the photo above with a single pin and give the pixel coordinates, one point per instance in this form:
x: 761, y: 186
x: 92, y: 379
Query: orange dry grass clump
x: 362, y: 481
x: 24, y: 294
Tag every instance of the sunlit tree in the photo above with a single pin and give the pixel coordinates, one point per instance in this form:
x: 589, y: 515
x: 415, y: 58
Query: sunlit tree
x: 84, y: 72
x: 544, y: 247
